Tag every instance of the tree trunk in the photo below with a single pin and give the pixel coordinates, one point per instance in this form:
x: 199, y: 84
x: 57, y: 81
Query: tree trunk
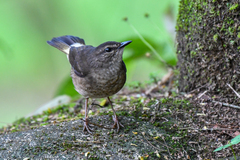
x: 208, y: 45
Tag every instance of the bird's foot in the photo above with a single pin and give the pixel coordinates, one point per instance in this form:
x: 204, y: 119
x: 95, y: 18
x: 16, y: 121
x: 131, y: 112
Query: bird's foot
x: 87, y: 126
x: 117, y: 124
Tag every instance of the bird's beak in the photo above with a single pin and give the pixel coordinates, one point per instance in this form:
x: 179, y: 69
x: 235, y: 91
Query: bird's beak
x: 123, y: 44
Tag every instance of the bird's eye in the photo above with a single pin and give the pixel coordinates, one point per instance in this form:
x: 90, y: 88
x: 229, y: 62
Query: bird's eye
x: 108, y: 49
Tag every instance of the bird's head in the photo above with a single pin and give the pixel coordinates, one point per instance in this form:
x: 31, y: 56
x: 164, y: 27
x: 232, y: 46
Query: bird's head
x: 110, y: 52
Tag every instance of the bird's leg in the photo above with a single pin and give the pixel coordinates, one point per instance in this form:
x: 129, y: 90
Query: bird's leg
x: 117, y: 124
x: 86, y: 125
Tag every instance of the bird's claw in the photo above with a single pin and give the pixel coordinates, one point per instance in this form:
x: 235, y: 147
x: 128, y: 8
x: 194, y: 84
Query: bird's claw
x: 117, y: 124
x: 87, y: 126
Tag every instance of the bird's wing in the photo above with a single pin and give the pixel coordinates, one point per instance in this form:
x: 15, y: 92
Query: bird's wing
x: 78, y: 60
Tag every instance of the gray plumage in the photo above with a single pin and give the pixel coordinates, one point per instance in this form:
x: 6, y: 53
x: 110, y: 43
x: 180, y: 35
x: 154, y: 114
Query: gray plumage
x: 96, y: 72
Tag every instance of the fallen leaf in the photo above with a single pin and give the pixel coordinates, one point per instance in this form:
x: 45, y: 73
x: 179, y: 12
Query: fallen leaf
x: 133, y: 144
x: 103, y: 102
x: 87, y: 153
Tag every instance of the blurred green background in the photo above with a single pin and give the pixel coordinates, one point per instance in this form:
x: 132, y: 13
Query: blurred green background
x: 31, y: 71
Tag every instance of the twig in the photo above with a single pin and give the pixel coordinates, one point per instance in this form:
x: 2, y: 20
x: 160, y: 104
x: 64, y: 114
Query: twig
x: 185, y: 151
x: 201, y: 95
x: 197, y: 88
x: 210, y: 129
x: 226, y: 104
x: 233, y: 90
x: 150, y: 143
x: 95, y: 104
x: 166, y: 146
x: 78, y: 140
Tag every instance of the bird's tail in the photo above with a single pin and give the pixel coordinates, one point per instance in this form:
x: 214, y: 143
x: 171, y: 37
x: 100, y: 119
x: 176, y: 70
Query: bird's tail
x: 64, y: 43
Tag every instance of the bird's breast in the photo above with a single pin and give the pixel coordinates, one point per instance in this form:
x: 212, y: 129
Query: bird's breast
x: 100, y: 82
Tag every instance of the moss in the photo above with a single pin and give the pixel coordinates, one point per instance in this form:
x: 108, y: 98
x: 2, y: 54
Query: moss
x: 233, y: 7
x: 232, y: 42
x: 231, y: 30
x: 45, y: 119
x: 123, y: 113
x: 193, y: 53
x: 163, y: 100
x: 44, y: 124
x: 238, y: 35
x: 215, y: 37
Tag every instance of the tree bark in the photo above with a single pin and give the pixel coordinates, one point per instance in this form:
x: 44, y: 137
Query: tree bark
x: 208, y: 45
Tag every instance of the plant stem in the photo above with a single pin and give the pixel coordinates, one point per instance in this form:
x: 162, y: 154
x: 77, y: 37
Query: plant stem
x: 234, y: 155
x: 147, y: 44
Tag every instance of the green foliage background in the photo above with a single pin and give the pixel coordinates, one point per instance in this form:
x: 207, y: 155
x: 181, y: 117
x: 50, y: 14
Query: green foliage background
x: 31, y: 71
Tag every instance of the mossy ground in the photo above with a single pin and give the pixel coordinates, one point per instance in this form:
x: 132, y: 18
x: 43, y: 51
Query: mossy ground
x: 159, y: 125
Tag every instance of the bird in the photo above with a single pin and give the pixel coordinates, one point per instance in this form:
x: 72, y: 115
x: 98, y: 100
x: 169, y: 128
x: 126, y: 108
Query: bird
x: 97, y: 72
